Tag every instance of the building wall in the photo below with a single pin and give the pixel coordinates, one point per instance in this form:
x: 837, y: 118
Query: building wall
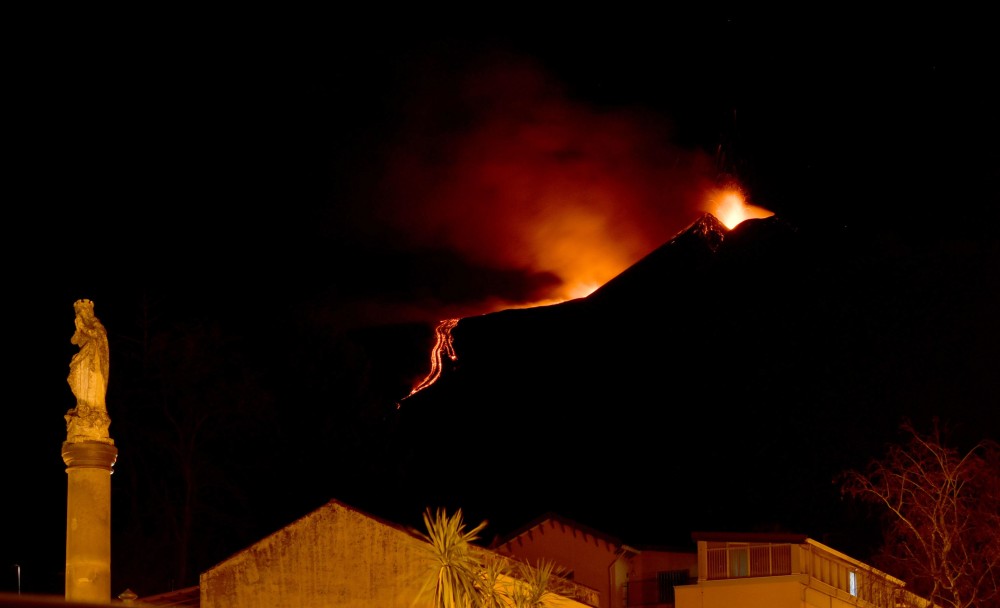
x: 650, y: 562
x: 596, y: 561
x: 771, y: 592
x: 643, y: 570
x: 791, y: 573
x: 334, y: 556
x: 589, y: 556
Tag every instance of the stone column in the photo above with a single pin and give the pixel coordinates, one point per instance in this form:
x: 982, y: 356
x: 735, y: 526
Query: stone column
x: 89, y: 454
x: 89, y: 465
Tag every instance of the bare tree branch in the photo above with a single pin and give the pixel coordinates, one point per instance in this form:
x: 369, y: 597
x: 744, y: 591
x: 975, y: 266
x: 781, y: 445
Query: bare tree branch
x: 942, y: 512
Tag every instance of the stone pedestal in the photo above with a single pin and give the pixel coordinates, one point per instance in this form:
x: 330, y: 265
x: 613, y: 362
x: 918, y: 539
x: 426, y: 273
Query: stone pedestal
x: 89, y: 465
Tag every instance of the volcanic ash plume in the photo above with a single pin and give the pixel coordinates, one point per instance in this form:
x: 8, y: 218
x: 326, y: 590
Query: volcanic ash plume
x: 495, y: 164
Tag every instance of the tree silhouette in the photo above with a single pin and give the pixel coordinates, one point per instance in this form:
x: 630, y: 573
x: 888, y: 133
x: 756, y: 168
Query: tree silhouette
x: 192, y: 431
x: 942, y: 515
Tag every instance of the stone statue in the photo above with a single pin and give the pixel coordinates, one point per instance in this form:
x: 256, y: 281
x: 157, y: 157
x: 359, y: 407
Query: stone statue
x: 88, y: 378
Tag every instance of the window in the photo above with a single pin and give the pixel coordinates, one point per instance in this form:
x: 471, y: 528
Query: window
x: 852, y: 582
x: 739, y: 562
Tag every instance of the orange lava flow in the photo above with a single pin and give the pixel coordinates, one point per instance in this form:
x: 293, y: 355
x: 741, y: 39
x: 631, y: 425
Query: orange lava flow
x: 443, y: 345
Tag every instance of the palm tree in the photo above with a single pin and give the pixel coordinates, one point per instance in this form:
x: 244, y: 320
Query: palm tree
x: 494, y: 576
x: 456, y: 575
x: 533, y: 585
x: 463, y: 575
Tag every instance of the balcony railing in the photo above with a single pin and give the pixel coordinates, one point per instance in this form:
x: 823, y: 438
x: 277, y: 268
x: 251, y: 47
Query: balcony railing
x: 748, y: 560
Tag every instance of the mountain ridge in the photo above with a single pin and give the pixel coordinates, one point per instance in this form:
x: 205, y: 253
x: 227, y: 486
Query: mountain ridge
x: 739, y: 362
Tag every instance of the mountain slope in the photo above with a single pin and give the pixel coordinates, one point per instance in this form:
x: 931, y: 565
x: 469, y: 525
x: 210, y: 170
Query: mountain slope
x: 722, y: 381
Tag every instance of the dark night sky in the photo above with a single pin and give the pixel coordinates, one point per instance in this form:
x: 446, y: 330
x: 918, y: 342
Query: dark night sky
x: 291, y: 177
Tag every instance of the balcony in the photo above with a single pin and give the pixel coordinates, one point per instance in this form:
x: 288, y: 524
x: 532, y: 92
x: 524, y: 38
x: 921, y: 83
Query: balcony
x: 741, y: 560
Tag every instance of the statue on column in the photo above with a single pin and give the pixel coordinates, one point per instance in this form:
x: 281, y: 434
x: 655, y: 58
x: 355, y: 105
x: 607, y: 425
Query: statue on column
x: 88, y: 378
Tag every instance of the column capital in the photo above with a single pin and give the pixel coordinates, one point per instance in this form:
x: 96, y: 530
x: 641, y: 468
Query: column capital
x: 89, y: 454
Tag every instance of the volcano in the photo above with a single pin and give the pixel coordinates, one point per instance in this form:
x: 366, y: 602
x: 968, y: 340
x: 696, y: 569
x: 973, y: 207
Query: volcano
x: 721, y: 381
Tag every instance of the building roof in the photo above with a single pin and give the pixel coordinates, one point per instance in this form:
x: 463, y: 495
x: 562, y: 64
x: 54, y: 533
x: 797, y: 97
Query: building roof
x: 750, y: 537
x: 555, y: 517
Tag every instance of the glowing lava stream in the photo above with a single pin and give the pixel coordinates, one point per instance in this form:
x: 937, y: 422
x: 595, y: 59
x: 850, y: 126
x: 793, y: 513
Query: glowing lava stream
x: 727, y: 204
x: 442, y: 344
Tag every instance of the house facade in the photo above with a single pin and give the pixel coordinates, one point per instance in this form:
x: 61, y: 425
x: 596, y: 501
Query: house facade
x: 341, y: 556
x: 335, y: 556
x: 622, y: 576
x: 749, y: 570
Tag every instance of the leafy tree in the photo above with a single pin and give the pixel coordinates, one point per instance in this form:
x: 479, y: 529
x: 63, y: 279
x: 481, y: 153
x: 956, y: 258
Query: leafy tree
x: 942, y: 512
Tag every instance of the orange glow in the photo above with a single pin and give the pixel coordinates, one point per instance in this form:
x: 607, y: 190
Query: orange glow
x: 577, y: 241
x: 730, y: 206
x: 533, y: 182
x: 536, y: 183
x: 442, y: 346
x: 583, y: 289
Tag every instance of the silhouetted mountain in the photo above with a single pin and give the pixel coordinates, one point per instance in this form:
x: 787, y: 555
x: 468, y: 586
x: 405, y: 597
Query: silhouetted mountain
x: 686, y: 253
x: 721, y: 381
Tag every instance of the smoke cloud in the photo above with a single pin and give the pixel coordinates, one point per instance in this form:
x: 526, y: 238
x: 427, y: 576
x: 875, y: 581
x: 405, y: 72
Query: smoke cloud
x: 540, y: 196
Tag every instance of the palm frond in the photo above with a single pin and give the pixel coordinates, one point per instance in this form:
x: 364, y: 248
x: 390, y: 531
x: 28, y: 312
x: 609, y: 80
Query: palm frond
x: 536, y: 583
x: 455, y: 569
